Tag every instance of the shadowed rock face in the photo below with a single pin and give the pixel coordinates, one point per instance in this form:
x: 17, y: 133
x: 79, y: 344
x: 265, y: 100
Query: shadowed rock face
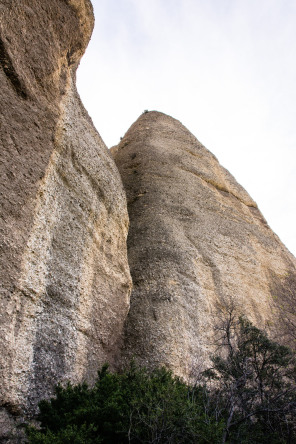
x: 65, y: 281
x: 197, y: 245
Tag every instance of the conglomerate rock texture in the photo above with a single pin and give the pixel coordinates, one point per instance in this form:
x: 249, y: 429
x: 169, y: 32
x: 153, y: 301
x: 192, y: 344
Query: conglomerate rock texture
x: 197, y: 246
x: 65, y: 280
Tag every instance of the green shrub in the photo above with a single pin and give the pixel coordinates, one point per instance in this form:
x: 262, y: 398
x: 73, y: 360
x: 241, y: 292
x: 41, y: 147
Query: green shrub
x: 247, y: 397
x: 135, y: 406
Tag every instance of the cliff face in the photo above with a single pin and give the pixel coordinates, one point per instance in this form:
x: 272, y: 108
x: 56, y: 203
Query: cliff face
x: 197, y: 246
x: 65, y: 280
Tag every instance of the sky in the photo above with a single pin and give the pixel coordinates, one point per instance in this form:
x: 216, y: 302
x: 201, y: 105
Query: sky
x: 225, y: 68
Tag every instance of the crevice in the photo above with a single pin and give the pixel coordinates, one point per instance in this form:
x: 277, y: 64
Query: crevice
x: 10, y: 72
x: 93, y: 183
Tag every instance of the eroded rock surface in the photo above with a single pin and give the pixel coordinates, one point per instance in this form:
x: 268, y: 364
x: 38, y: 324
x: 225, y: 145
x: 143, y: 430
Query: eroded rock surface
x: 65, y: 281
x: 197, y: 245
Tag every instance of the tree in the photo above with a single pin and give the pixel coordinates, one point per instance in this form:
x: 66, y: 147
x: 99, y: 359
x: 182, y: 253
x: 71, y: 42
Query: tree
x: 254, y: 388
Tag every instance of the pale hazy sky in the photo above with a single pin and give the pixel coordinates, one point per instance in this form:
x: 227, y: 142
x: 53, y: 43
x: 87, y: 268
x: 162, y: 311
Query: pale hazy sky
x: 225, y: 68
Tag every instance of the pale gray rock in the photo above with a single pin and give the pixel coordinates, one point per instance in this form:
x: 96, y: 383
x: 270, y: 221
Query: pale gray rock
x: 197, y: 246
x: 65, y: 281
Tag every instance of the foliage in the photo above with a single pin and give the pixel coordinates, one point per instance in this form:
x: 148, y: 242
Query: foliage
x: 255, y: 385
x: 130, y: 407
x: 247, y: 396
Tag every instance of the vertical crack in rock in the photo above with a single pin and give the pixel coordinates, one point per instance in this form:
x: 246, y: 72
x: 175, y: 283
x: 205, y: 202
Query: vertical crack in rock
x: 10, y: 72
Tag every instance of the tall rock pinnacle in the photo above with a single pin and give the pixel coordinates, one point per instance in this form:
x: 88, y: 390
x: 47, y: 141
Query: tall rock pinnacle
x: 65, y: 280
x: 197, y: 245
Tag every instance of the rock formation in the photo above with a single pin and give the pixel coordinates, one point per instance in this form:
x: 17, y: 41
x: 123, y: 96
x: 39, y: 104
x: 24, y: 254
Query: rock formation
x: 197, y: 245
x: 65, y: 280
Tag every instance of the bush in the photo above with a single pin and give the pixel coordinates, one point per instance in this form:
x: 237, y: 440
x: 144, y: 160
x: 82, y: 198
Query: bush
x: 134, y: 406
x: 248, y: 396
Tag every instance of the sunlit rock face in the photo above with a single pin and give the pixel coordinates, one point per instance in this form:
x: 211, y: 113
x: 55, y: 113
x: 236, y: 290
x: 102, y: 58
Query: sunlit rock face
x: 65, y: 280
x: 197, y: 246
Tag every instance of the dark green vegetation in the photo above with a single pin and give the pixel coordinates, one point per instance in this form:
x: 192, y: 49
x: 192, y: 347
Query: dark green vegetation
x: 252, y: 386
x: 248, y: 396
x: 134, y: 406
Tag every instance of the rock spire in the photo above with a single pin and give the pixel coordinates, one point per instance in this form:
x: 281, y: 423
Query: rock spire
x: 197, y: 246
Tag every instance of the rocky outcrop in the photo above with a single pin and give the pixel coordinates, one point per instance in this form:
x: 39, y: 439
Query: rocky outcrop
x: 197, y: 246
x: 65, y: 281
